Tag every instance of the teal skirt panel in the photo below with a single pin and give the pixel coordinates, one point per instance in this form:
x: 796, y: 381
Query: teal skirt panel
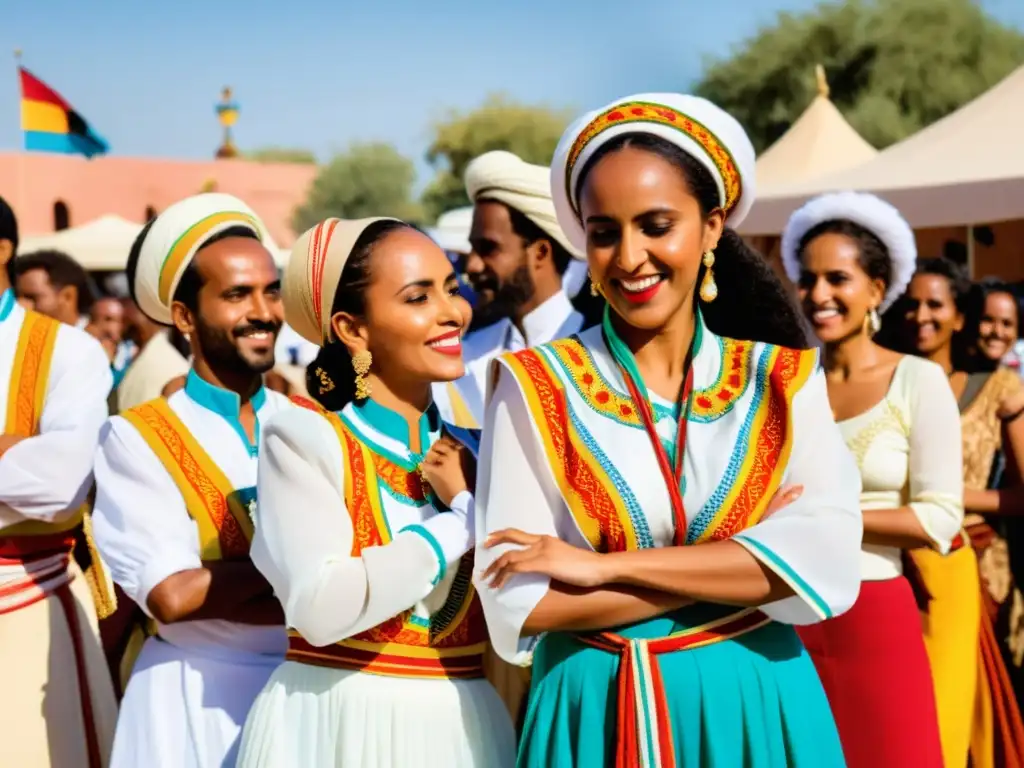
x: 751, y: 702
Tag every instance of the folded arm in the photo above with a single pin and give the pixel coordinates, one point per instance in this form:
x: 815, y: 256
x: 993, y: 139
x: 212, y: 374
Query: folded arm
x: 516, y: 490
x: 151, y: 546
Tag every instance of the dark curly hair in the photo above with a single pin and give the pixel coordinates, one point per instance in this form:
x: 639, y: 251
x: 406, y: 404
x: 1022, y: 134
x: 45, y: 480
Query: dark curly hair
x: 334, y: 358
x: 757, y: 305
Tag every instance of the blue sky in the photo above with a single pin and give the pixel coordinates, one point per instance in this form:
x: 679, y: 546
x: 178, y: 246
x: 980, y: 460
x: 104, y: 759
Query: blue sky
x: 318, y: 75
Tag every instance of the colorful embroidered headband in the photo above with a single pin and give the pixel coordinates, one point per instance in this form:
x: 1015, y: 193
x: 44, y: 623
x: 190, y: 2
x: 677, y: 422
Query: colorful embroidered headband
x: 314, y: 269
x: 192, y: 239
x: 637, y: 112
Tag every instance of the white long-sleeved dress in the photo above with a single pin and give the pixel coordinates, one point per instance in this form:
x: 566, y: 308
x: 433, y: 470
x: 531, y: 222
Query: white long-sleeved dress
x: 384, y: 668
x: 565, y: 454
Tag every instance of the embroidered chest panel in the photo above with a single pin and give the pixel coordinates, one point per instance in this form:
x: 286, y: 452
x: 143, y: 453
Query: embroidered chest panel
x: 740, y: 438
x: 460, y: 621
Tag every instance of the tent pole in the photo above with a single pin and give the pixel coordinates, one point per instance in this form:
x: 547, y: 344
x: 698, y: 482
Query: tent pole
x: 970, y: 251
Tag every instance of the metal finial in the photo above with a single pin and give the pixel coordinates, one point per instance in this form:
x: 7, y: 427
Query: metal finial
x: 819, y: 74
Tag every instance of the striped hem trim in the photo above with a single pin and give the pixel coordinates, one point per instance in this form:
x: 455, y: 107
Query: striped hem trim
x: 390, y: 659
x: 442, y: 566
x: 801, y: 588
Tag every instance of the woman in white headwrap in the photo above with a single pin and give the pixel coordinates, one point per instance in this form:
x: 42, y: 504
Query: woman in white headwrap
x: 365, y: 521
x: 662, y: 497
x: 851, y: 256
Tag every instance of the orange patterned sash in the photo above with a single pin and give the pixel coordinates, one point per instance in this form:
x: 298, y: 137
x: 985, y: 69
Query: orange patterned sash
x: 26, y: 396
x: 225, y: 527
x: 30, y: 374
x: 452, y: 643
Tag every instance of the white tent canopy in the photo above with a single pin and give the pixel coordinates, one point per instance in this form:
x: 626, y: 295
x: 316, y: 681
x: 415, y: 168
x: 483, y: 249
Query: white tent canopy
x: 967, y: 168
x: 104, y: 243
x: 819, y: 143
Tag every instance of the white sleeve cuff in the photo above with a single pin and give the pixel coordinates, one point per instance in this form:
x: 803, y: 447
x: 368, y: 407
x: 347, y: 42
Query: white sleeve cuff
x: 449, y: 534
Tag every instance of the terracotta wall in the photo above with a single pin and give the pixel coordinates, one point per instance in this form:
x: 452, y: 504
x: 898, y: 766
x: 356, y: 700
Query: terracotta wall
x: 37, y: 185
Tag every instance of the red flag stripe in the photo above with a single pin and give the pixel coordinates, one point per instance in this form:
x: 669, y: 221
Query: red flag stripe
x: 34, y: 89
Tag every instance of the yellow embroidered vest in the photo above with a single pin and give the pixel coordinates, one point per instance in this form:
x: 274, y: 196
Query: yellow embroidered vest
x: 26, y: 396
x: 222, y: 518
x: 452, y: 644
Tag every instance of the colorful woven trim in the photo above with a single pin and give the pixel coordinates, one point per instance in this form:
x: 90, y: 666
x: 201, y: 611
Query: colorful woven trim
x: 762, y: 448
x: 316, y: 257
x: 644, y: 723
x: 659, y: 114
x: 190, y: 239
x: 448, y: 644
x: 224, y: 526
x: 45, y: 560
x: 594, y: 502
x: 30, y: 374
x: 461, y: 412
x: 392, y: 659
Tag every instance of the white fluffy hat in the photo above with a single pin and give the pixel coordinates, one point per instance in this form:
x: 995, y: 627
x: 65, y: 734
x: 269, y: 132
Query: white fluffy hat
x: 868, y: 211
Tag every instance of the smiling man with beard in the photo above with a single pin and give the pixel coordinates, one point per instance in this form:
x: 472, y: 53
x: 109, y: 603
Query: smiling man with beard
x: 176, y: 490
x: 516, y: 269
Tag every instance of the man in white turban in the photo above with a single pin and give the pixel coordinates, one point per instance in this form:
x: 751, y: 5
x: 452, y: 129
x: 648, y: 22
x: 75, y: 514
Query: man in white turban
x: 176, y: 490
x: 519, y: 260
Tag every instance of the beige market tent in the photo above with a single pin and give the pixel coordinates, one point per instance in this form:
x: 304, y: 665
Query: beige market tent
x: 103, y: 244
x: 965, y: 169
x: 819, y: 143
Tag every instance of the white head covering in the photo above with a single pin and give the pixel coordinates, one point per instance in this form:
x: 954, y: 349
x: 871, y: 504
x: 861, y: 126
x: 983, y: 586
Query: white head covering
x: 870, y: 212
x: 314, y: 269
x: 502, y: 176
x: 704, y: 131
x: 173, y: 240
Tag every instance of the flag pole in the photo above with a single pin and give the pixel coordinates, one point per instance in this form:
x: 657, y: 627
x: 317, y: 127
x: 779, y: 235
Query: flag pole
x: 20, y: 202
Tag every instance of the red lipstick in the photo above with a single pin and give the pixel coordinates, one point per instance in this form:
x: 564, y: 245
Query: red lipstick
x: 454, y: 350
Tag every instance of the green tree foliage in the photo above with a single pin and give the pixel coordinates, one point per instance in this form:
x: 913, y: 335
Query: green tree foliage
x: 531, y: 132
x: 281, y: 155
x: 893, y: 66
x: 371, y: 179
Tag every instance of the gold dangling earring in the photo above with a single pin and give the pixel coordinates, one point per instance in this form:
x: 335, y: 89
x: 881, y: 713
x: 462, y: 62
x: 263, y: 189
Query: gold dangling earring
x: 361, y: 365
x: 872, y: 322
x: 708, y: 286
x: 595, y: 286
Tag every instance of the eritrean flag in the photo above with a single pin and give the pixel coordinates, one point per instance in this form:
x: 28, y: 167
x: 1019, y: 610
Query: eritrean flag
x: 51, y: 125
